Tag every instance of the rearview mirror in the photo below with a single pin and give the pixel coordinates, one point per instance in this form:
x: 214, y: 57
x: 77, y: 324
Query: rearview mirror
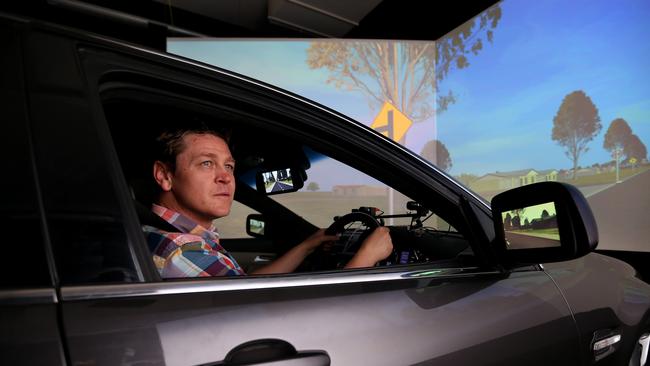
x: 281, y: 180
x: 543, y: 222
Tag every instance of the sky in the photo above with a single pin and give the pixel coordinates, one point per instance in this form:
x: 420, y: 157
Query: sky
x: 542, y: 51
x: 508, y: 96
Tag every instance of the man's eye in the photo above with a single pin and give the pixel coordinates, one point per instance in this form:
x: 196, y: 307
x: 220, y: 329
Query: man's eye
x: 230, y: 167
x: 207, y: 164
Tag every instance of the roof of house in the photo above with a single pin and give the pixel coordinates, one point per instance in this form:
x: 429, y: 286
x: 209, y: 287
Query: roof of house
x: 519, y: 173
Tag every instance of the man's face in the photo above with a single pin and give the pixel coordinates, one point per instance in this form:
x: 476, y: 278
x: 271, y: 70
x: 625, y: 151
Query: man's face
x: 203, y: 184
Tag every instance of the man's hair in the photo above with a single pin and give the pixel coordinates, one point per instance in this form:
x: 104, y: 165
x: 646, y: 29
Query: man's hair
x: 171, y: 142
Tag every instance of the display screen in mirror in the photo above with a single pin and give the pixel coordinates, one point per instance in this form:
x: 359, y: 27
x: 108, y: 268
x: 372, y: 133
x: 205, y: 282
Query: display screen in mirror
x: 531, y: 227
x: 278, y: 181
x: 257, y: 226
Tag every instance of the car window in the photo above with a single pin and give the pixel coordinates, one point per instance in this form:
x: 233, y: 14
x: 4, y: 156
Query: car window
x: 333, y: 186
x: 333, y: 189
x: 233, y: 226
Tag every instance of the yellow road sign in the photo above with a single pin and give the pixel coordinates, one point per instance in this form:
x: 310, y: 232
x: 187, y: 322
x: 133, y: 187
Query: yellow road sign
x: 391, y: 122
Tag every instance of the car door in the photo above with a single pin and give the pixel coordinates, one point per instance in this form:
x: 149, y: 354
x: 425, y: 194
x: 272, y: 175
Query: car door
x: 116, y: 310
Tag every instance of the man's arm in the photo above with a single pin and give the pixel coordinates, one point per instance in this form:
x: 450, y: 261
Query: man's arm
x: 375, y: 248
x: 292, y: 259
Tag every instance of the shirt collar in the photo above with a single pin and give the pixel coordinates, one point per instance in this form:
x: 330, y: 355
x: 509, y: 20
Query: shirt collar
x: 184, y: 223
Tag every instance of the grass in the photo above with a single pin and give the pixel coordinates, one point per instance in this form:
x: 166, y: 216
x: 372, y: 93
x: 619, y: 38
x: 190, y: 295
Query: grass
x: 605, y: 178
x: 319, y: 208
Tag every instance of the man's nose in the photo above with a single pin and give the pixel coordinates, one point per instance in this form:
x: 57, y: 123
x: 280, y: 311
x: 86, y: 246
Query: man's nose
x: 223, y: 176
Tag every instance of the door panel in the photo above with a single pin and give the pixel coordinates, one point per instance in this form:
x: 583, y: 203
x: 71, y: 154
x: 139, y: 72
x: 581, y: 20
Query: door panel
x: 29, y: 333
x: 484, y: 318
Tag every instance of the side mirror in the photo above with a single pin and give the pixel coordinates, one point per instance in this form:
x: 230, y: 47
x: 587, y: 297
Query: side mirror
x: 543, y: 222
x: 255, y: 225
x: 281, y: 180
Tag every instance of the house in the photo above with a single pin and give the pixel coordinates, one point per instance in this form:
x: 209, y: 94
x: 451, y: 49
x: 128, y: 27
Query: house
x: 501, y: 181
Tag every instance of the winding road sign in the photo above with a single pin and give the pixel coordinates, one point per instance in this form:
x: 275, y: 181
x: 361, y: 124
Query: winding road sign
x: 391, y: 122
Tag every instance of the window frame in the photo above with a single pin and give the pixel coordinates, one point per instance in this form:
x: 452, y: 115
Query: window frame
x: 114, y: 68
x: 15, y: 86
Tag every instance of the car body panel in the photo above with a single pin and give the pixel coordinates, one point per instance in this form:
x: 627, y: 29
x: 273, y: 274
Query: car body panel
x: 604, y: 294
x: 431, y: 320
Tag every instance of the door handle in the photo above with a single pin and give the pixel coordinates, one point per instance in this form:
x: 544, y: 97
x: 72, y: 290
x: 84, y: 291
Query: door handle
x: 262, y: 259
x: 644, y: 342
x: 272, y: 352
x: 604, y: 343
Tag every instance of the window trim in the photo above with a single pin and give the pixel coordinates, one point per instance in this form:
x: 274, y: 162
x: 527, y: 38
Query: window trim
x: 209, y: 285
x: 28, y: 296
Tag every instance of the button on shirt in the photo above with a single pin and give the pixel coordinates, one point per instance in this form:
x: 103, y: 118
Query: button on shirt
x: 194, y: 251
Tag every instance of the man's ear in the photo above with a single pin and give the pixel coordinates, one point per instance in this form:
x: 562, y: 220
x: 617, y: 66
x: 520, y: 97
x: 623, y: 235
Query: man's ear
x: 162, y: 175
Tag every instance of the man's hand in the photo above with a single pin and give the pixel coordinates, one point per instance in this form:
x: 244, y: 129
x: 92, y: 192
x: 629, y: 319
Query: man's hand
x: 316, y: 239
x: 292, y: 259
x: 376, y: 247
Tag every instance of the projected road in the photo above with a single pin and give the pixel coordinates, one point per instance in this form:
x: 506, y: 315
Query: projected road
x: 621, y: 207
x: 278, y: 187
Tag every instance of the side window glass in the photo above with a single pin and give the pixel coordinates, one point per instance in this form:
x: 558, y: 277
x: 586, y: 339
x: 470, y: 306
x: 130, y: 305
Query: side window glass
x: 233, y: 226
x: 334, y: 189
x: 331, y: 189
x: 24, y: 262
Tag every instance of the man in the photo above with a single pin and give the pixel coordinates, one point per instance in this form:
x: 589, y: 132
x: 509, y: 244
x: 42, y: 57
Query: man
x: 195, y: 174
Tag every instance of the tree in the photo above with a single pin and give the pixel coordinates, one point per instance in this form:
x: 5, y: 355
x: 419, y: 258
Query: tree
x: 617, y: 135
x: 634, y: 148
x: 313, y: 187
x: 436, y: 152
x: 408, y: 73
x: 516, y: 224
x: 575, y: 124
x: 516, y: 216
x: 507, y: 222
x: 544, y: 214
x: 526, y: 222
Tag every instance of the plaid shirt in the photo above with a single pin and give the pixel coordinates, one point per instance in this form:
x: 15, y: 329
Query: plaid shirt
x: 192, y: 252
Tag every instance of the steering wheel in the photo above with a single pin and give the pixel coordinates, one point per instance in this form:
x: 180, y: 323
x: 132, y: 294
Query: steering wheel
x: 348, y: 244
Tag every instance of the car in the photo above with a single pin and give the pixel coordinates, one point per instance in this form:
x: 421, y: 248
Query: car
x: 467, y: 283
